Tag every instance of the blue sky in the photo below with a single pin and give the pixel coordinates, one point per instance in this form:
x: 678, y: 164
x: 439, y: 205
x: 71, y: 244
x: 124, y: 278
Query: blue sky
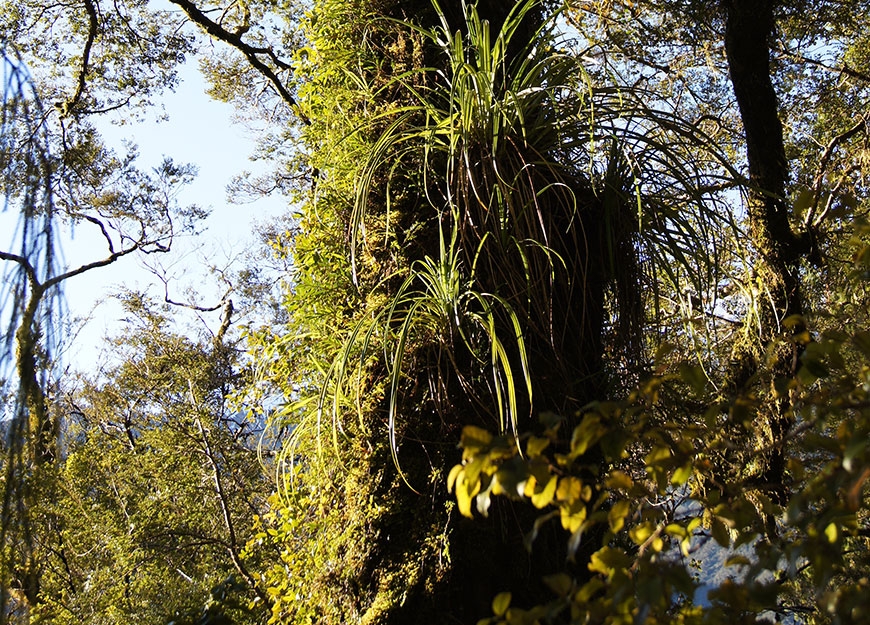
x: 200, y: 131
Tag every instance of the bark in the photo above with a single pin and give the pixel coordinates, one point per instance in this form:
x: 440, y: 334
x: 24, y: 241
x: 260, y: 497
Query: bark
x: 561, y: 307
x: 749, y: 26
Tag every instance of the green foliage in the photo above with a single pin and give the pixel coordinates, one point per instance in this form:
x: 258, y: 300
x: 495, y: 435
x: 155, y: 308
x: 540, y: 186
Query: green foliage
x: 151, y: 499
x: 497, y: 216
x: 81, y: 56
x: 663, y: 490
x: 494, y: 222
x: 506, y: 148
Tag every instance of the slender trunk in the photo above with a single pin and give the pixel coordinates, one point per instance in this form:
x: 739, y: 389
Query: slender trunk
x: 232, y: 543
x: 30, y: 461
x: 42, y: 428
x: 749, y: 25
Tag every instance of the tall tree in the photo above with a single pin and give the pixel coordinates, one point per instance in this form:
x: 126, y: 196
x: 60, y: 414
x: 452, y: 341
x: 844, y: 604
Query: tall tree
x: 475, y: 284
x: 156, y: 486
x: 499, y: 219
x: 488, y: 196
x: 58, y: 177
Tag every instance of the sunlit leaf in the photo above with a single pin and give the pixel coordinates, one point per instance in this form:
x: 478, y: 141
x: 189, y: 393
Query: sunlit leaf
x: 500, y: 603
x: 544, y: 497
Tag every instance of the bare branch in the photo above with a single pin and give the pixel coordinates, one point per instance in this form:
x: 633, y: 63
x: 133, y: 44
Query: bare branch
x: 823, y: 166
x: 102, y: 228
x: 28, y: 268
x: 161, y: 275
x: 87, y: 267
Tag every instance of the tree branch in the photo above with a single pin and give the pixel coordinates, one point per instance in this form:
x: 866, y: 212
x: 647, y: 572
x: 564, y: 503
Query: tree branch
x: 845, y: 69
x: 28, y: 268
x: 823, y: 165
x: 232, y: 548
x: 87, y: 267
x: 250, y: 52
x: 93, y: 25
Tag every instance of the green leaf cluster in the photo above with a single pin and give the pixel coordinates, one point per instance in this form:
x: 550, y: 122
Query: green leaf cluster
x: 661, y: 495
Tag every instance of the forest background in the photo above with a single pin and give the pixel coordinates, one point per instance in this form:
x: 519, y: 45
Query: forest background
x: 571, y: 325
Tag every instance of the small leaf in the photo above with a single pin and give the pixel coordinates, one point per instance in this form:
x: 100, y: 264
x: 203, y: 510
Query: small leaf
x: 501, y: 603
x: 536, y: 445
x: 572, y: 515
x: 658, y: 456
x: 803, y: 201
x: 510, y: 478
x: 465, y: 492
x: 694, y: 376
x: 451, y: 479
x: 737, y: 560
x: 545, y: 497
x: 617, y: 514
x: 474, y: 440
x: 640, y: 533
x: 588, y: 590
x: 607, y: 560
x: 473, y: 469
x: 682, y: 475
x: 560, y: 583
x: 569, y: 489
x: 586, y: 434
x: 675, y: 529
x: 618, y: 479
x: 720, y: 532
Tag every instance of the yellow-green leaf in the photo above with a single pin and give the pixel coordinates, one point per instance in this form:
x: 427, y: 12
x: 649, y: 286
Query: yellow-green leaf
x: 831, y: 532
x: 501, y: 603
x: 569, y: 489
x: 618, y: 479
x: 675, y: 529
x: 588, y: 590
x: 607, y: 560
x: 682, y: 475
x: 657, y: 455
x: 617, y: 514
x: 536, y: 446
x: 451, y: 479
x: 465, y: 493
x: 560, y: 583
x: 586, y: 434
x: 572, y: 515
x: 640, y: 533
x: 474, y: 439
x: 545, y: 497
x: 720, y: 532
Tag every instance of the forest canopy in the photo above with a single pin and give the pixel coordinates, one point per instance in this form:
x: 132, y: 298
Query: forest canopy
x: 570, y: 326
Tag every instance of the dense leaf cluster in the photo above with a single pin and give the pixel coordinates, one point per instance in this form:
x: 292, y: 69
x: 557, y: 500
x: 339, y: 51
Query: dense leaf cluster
x: 616, y: 250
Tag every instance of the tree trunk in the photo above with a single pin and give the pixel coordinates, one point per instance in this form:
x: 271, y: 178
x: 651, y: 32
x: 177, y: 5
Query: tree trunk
x: 749, y: 26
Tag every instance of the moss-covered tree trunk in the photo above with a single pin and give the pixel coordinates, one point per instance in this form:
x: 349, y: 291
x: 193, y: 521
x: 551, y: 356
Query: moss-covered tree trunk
x: 749, y: 27
x: 532, y: 229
